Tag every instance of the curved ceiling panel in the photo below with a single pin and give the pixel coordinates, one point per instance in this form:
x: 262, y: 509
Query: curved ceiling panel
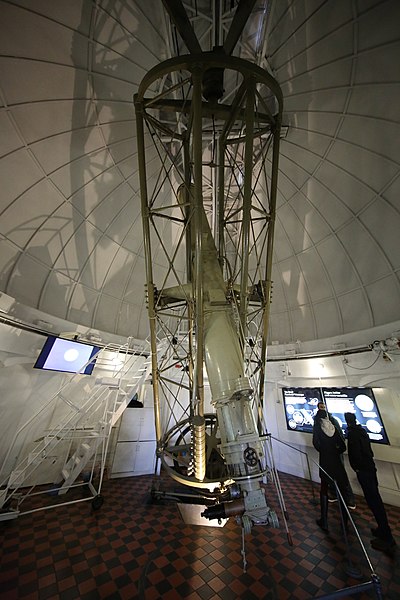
x: 70, y: 228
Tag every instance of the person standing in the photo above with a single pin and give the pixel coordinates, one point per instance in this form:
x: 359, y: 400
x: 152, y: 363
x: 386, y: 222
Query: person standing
x: 361, y: 459
x: 330, y: 445
x: 349, y: 497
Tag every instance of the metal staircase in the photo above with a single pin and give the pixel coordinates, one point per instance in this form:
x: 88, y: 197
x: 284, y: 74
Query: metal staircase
x: 90, y: 411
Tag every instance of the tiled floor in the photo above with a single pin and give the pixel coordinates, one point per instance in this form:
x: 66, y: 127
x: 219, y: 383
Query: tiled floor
x: 131, y: 548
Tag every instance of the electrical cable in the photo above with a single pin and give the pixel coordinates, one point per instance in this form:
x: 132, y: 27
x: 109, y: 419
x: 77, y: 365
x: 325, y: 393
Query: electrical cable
x: 365, y: 368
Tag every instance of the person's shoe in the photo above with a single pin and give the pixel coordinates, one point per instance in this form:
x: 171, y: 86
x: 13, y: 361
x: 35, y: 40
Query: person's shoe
x: 376, y: 532
x: 352, y: 506
x: 383, y: 545
x: 332, y: 499
x: 323, y: 525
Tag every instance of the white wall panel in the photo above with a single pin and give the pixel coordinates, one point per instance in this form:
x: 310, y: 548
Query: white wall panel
x: 134, y: 458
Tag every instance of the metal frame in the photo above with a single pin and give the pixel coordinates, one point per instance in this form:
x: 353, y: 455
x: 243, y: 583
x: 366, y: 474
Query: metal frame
x: 205, y: 149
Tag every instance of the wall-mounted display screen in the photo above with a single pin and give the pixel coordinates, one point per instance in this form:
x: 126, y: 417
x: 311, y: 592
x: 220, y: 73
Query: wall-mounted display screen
x: 301, y: 405
x: 67, y: 356
x: 361, y: 402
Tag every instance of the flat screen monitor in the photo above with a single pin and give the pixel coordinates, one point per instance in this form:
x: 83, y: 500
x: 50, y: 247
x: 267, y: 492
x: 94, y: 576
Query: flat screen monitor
x: 66, y: 356
x: 301, y: 404
x: 361, y: 402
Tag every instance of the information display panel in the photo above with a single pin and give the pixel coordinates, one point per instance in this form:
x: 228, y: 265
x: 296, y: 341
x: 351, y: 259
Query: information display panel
x: 301, y: 405
x: 66, y: 356
x: 361, y: 402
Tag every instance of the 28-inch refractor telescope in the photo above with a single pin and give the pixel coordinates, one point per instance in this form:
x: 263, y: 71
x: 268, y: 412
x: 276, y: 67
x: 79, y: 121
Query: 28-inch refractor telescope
x: 208, y: 176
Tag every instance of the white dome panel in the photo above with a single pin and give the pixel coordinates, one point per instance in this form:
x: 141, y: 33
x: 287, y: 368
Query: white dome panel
x: 9, y: 138
x: 302, y: 157
x: 74, y: 14
x: 29, y: 81
x: 311, y: 122
x: 293, y: 283
x: 301, y: 24
x: 327, y: 318
x: 109, y: 88
x: 27, y: 269
x: 280, y: 329
x: 99, y: 261
x: 303, y: 324
x: 56, y: 296
x: 304, y: 138
x: 123, y: 150
x: 45, y: 119
x: 355, y: 311
x: 78, y: 250
x: 384, y: 297
x: 106, y: 212
x: 75, y: 175
x: 372, y: 172
x: 330, y: 76
x: 18, y: 172
x: 286, y: 189
x: 134, y: 289
x: 35, y: 205
x: 119, y: 273
x: 325, y: 100
x: 376, y: 65
x: 387, y: 16
x: 133, y: 239
x: 373, y: 100
x: 97, y: 192
x: 387, y: 230
x: 52, y: 42
x: 377, y: 135
x: 316, y: 227
x: 9, y: 255
x: 314, y: 272
x: 330, y: 207
x: 49, y: 241
x: 392, y: 193
x: 339, y: 265
x: 352, y: 192
x: 282, y: 246
x: 133, y: 319
x: 365, y: 252
x: 82, y: 305
x: 108, y: 308
x: 56, y: 151
x: 294, y: 229
x: 298, y: 176
x: 123, y: 131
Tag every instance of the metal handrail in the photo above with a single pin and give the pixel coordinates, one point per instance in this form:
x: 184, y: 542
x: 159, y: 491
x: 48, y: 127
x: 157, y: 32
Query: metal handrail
x: 308, y: 463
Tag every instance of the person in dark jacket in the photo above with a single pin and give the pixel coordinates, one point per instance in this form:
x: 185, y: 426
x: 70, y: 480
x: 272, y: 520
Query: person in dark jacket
x: 330, y: 445
x: 349, y: 497
x: 361, y: 459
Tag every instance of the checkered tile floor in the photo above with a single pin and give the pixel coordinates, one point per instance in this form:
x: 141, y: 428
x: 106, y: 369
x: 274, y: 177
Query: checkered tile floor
x: 132, y: 548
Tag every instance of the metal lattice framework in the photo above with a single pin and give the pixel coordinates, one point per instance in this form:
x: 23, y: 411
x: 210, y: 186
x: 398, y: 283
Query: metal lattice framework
x: 217, y: 172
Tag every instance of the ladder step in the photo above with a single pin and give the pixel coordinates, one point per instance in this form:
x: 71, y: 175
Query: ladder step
x: 65, y: 473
